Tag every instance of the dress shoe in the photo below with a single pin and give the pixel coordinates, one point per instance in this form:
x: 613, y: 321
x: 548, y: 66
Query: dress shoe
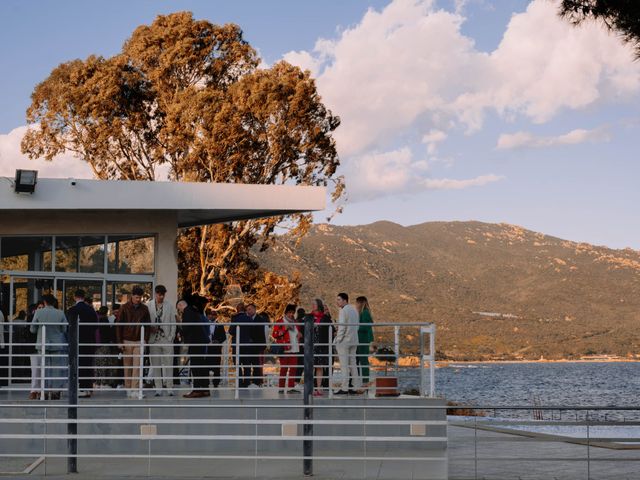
x: 341, y: 392
x: 196, y: 395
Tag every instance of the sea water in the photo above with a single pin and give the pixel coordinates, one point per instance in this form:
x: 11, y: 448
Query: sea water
x: 562, y: 384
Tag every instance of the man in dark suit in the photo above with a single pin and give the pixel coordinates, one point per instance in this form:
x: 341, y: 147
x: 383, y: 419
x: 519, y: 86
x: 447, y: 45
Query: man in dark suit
x: 245, y: 334
x: 195, y: 333
x: 259, y: 341
x: 217, y: 336
x: 87, y: 319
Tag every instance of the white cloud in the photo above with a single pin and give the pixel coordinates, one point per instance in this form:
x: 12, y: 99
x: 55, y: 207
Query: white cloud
x: 432, y: 139
x: 63, y: 166
x: 409, y: 69
x: 378, y: 174
x: 451, y: 184
x: 528, y: 140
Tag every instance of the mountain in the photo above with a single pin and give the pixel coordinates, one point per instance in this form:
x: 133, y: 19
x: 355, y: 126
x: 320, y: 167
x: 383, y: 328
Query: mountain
x: 495, y: 291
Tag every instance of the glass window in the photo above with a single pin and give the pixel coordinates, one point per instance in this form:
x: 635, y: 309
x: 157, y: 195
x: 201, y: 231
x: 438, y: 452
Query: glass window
x: 80, y: 254
x: 119, y: 293
x: 92, y: 288
x: 29, y: 290
x: 131, y: 254
x: 25, y: 254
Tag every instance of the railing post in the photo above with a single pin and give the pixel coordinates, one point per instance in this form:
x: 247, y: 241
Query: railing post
x: 432, y: 363
x: 307, y: 444
x: 330, y: 371
x: 72, y: 390
x: 422, y: 375
x: 44, y: 446
x: 396, y: 346
x: 475, y: 448
x: 43, y: 359
x: 141, y: 369
x: 237, y: 359
x: 588, y: 449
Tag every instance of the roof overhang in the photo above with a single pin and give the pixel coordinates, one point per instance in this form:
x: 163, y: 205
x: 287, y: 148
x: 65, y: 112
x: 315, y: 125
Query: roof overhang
x: 193, y: 203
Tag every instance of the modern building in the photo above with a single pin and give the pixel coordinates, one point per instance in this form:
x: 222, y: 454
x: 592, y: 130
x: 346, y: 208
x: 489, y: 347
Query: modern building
x: 106, y: 236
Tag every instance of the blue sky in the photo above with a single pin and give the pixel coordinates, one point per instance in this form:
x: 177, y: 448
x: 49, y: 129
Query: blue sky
x: 452, y: 110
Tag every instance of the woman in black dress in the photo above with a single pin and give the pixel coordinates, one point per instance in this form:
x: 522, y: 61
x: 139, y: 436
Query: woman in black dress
x: 323, y: 327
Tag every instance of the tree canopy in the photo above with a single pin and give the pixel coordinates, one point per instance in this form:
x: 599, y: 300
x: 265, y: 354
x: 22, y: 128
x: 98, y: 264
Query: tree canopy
x: 621, y: 16
x: 187, y: 100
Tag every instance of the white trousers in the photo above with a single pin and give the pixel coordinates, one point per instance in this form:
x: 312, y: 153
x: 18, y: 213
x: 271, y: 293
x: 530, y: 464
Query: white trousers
x: 161, y: 360
x: 36, y: 371
x: 348, y: 367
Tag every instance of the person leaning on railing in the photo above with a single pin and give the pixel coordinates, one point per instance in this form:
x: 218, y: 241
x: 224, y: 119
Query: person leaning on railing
x: 55, y: 344
x: 133, y: 315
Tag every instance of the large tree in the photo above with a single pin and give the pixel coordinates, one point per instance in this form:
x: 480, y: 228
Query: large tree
x: 186, y: 99
x: 621, y: 16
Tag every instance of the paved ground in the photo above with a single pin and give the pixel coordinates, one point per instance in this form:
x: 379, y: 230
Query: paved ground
x: 538, y: 458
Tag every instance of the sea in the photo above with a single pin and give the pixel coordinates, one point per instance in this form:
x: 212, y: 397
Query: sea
x: 562, y: 384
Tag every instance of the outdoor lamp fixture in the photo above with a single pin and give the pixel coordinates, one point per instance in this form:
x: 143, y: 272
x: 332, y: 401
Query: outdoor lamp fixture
x: 25, y: 181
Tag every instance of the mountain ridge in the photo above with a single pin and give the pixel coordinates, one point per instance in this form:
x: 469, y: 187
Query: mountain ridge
x: 537, y: 295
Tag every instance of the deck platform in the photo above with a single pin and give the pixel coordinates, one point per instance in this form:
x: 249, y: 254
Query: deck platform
x: 258, y: 435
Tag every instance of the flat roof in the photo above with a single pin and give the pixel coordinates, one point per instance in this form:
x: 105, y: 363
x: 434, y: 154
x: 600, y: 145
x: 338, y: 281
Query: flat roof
x: 194, y: 203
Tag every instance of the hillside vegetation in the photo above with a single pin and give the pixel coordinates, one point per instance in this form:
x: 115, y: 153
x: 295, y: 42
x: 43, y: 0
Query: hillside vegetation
x: 494, y: 291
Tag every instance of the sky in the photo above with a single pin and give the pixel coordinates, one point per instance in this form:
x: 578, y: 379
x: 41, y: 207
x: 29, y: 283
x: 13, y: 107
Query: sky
x: 489, y: 110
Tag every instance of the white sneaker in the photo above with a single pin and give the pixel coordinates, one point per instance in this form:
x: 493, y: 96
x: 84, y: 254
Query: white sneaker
x: 253, y: 385
x: 83, y: 394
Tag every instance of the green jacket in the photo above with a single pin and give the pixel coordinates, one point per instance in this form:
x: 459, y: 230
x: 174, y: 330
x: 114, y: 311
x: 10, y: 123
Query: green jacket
x: 365, y: 330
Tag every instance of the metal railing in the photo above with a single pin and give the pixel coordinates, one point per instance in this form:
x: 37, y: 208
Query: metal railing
x: 350, y: 440
x: 346, y: 440
x: 229, y: 366
x: 586, y: 444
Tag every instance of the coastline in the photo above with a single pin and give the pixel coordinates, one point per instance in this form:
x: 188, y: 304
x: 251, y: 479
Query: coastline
x: 446, y: 363
x: 413, y: 361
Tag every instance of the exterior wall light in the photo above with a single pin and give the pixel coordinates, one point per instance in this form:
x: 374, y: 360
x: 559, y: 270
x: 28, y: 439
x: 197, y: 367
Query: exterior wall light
x: 26, y: 181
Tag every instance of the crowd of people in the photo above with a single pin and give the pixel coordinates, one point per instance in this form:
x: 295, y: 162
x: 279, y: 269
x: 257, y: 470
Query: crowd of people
x: 115, y: 349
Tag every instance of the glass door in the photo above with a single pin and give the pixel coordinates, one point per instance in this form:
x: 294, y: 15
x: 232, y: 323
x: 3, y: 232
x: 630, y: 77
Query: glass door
x: 92, y: 288
x: 23, y: 293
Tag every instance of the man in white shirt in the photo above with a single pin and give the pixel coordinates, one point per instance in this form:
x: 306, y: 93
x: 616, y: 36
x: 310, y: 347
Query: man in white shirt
x: 346, y: 344
x: 163, y: 331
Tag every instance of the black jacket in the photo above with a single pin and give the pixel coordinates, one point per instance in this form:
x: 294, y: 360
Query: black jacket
x: 246, y: 333
x: 85, y: 314
x: 219, y: 334
x: 323, y: 330
x: 198, y: 333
